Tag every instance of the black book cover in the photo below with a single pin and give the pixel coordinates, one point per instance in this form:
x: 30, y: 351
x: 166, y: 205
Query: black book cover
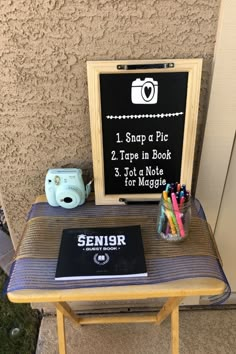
x: 93, y: 253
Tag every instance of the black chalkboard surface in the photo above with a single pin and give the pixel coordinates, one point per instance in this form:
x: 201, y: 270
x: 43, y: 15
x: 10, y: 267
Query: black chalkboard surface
x: 143, y: 126
x: 142, y: 140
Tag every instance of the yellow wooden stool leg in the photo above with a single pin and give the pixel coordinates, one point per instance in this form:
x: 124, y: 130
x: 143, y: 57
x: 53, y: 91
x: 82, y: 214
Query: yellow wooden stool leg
x: 167, y: 308
x: 61, y: 332
x: 175, y: 330
x: 64, y: 308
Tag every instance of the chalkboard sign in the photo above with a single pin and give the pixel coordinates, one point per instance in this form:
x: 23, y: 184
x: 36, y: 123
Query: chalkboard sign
x: 143, y: 126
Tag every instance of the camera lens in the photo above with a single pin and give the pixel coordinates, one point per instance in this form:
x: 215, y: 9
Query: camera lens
x: 69, y: 197
x: 67, y: 200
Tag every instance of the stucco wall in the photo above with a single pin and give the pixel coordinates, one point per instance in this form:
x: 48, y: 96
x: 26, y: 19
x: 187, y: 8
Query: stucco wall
x: 44, y: 45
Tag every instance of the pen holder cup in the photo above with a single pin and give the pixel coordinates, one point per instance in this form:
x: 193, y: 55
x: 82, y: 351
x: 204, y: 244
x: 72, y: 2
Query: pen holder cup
x: 173, y: 225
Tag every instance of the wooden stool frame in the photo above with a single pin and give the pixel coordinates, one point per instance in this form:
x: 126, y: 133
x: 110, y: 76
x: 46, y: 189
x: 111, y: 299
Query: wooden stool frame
x: 175, y: 291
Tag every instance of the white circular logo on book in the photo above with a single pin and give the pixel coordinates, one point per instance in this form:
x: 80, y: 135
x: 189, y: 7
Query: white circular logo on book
x: 101, y: 259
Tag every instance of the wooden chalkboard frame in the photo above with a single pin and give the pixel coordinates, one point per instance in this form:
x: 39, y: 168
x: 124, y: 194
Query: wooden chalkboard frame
x: 94, y: 68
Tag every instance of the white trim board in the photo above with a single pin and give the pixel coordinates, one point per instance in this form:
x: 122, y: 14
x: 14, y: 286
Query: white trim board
x: 221, y: 121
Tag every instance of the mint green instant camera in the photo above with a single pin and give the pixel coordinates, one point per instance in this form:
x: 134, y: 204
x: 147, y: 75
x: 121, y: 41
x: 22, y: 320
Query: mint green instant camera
x: 65, y: 187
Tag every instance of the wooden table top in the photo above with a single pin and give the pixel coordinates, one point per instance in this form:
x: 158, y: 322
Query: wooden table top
x: 183, y: 287
x: 196, y: 286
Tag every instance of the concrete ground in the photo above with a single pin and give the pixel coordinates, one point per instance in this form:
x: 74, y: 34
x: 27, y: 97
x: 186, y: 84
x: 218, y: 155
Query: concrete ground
x: 201, y: 332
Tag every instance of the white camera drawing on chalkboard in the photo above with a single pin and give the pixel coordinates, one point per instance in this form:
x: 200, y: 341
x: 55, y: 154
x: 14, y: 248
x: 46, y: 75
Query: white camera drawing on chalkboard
x: 144, y: 91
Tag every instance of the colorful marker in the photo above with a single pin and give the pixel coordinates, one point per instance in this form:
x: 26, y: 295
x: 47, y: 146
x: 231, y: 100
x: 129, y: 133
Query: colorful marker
x: 182, y: 200
x: 172, y: 215
x: 165, y: 195
x: 172, y: 226
x: 178, y: 215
